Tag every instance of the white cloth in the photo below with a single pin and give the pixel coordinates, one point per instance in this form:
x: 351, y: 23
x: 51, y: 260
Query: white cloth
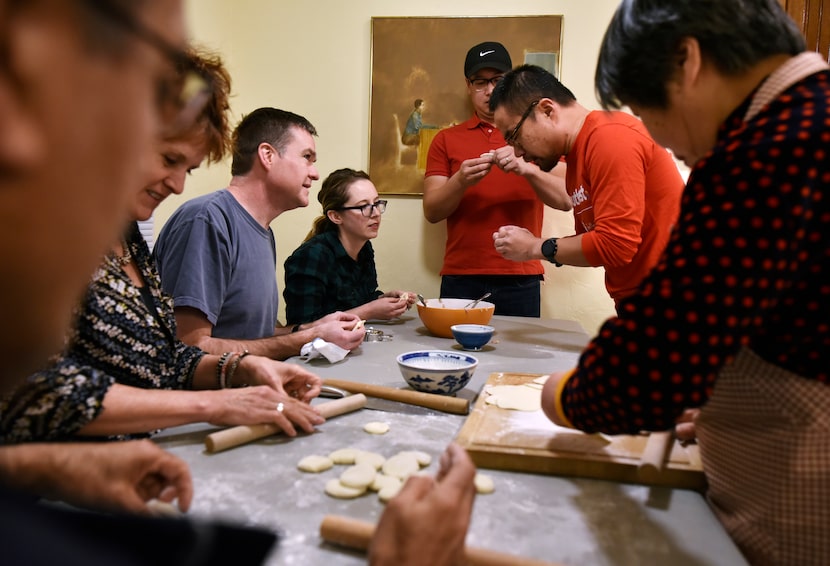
x: 319, y: 347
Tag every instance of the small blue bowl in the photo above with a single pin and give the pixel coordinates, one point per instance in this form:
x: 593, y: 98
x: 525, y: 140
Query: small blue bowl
x: 437, y: 371
x: 472, y: 336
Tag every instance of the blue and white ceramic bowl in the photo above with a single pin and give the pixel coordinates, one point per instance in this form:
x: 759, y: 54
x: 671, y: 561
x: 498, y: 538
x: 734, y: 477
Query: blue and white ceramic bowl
x: 472, y: 336
x: 437, y: 371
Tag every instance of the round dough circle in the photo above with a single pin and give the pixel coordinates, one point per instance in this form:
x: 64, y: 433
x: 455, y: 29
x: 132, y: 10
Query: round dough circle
x: 340, y: 491
x: 376, y: 428
x: 401, y: 465
x: 358, y: 476
x: 382, y: 481
x: 389, y: 491
x: 422, y: 458
x: 371, y: 458
x: 484, y: 484
x: 344, y: 455
x: 315, y: 464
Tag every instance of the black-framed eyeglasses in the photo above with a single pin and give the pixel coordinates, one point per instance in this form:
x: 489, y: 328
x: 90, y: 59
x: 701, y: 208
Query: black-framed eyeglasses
x: 367, y: 209
x: 180, y: 98
x: 510, y: 138
x: 481, y: 84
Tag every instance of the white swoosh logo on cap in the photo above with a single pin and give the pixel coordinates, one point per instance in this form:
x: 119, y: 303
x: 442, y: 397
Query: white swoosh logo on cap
x: 483, y: 53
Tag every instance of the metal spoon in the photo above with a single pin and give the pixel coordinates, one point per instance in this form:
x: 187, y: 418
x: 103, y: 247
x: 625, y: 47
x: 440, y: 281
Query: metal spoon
x: 474, y: 303
x: 422, y: 300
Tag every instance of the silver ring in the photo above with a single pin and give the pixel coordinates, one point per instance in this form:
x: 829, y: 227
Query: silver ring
x: 280, y: 407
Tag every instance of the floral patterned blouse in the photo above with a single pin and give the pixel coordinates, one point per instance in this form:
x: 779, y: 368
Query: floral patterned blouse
x: 117, y: 338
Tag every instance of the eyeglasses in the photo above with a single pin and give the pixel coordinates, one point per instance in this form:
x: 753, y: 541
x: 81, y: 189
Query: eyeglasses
x: 510, y: 138
x: 180, y: 98
x: 481, y: 84
x: 368, y: 209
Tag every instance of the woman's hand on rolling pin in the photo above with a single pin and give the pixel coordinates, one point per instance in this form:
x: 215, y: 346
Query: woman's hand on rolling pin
x: 292, y: 379
x: 262, y: 405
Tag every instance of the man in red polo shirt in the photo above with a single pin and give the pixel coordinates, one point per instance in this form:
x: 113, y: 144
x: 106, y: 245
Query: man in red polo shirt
x: 474, y: 182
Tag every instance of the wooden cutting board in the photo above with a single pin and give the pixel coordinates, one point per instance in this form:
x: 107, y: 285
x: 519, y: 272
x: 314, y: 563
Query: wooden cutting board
x: 526, y: 441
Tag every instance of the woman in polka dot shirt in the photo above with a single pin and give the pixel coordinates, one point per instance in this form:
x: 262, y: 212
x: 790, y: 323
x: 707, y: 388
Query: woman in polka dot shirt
x: 735, y: 319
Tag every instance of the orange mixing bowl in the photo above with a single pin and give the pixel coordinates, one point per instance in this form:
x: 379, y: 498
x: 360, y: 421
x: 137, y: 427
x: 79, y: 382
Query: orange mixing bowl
x: 440, y: 314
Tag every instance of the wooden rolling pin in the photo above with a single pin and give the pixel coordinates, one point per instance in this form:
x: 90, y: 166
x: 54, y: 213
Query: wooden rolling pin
x: 234, y: 436
x: 654, y: 455
x: 444, y: 403
x: 356, y: 534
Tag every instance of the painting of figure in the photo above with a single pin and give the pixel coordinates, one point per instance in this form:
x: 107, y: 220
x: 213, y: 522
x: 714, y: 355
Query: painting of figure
x: 418, y: 83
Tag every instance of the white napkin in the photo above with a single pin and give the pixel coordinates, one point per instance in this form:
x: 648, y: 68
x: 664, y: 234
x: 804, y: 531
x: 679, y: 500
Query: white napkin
x: 319, y: 347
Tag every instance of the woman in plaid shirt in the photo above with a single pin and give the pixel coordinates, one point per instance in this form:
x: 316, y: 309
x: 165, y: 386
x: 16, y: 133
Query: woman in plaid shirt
x: 334, y: 269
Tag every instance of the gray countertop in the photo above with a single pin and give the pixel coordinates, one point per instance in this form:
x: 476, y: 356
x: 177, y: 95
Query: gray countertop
x: 571, y: 521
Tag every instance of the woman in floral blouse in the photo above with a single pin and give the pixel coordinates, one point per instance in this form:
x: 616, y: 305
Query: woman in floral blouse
x: 124, y: 372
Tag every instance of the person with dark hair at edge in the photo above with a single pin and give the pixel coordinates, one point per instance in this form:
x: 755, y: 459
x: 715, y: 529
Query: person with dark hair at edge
x: 733, y: 320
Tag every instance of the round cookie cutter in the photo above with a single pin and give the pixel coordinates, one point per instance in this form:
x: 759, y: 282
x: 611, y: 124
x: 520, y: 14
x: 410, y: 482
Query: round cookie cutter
x: 376, y: 335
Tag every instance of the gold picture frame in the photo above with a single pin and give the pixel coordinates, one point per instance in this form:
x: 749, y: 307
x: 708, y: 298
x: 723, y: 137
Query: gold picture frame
x: 422, y: 59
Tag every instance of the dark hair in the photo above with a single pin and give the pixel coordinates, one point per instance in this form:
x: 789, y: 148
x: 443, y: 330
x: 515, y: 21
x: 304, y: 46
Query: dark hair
x: 264, y: 125
x: 418, y: 102
x: 526, y: 83
x: 212, y: 124
x: 333, y: 195
x: 639, y: 50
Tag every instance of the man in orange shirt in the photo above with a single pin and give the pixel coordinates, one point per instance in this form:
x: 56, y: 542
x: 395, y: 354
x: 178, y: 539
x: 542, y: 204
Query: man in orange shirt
x: 625, y: 189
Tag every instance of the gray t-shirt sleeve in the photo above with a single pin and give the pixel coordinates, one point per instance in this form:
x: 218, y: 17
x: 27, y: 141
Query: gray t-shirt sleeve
x: 193, y: 256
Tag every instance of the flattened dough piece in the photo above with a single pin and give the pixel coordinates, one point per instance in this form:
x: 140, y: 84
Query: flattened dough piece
x: 160, y: 508
x: 401, y: 465
x: 376, y: 427
x: 423, y: 458
x: 358, y: 476
x: 315, y: 464
x: 484, y: 484
x: 389, y: 492
x: 517, y: 397
x: 371, y: 458
x: 382, y: 481
x: 340, y: 491
x: 344, y: 455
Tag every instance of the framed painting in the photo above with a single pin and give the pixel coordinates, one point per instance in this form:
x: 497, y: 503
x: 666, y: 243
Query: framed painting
x: 418, y: 84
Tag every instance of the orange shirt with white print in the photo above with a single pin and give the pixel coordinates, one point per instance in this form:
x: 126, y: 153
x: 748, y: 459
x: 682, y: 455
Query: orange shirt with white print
x: 626, y: 193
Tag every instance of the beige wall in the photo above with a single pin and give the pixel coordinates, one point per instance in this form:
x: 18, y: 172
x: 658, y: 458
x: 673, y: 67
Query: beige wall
x: 313, y: 58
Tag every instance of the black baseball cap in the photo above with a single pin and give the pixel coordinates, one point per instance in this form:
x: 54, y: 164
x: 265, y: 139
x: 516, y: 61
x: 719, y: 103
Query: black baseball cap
x: 487, y: 55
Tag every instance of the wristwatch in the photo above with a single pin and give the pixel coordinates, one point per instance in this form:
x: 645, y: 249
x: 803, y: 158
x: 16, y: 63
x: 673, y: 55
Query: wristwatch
x: 549, y: 249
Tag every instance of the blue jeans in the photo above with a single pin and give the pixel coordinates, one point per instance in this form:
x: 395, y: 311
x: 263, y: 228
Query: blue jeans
x: 513, y: 295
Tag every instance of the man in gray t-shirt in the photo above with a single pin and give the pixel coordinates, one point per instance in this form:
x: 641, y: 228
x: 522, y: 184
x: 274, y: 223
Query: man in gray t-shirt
x: 217, y: 256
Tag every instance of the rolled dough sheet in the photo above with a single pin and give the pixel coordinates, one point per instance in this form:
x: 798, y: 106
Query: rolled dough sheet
x: 516, y: 397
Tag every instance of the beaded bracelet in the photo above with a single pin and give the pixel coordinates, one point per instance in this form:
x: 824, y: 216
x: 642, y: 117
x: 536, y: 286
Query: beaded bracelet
x: 220, y: 366
x: 227, y: 367
x: 232, y: 369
